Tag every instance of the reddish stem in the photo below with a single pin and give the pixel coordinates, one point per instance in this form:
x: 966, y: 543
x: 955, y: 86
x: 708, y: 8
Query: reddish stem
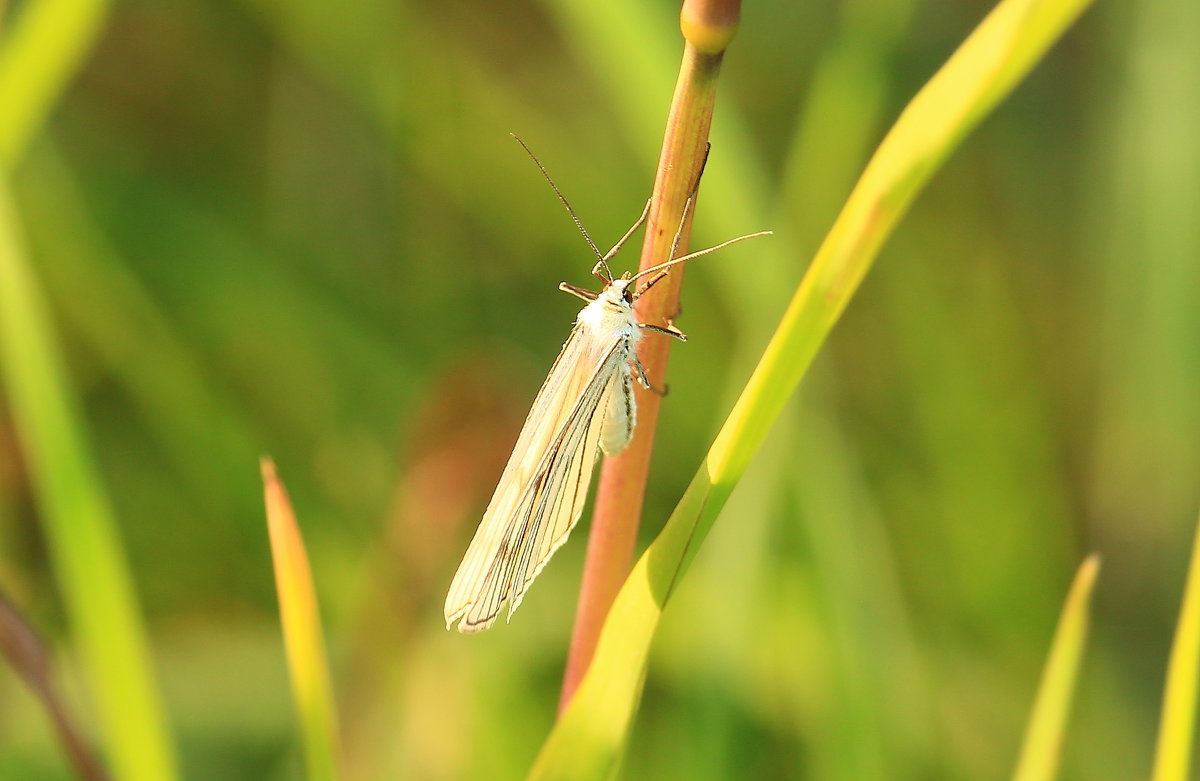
x: 622, y: 482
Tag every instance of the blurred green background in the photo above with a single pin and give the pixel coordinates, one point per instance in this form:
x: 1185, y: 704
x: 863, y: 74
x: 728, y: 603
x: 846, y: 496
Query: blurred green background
x: 302, y: 229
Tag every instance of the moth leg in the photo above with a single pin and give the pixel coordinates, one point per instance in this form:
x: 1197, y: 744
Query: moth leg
x: 639, y: 372
x: 672, y: 318
x: 586, y: 295
x: 689, y: 204
x: 669, y: 330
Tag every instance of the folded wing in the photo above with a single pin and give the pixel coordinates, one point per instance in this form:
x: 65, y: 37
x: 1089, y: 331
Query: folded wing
x: 542, y: 490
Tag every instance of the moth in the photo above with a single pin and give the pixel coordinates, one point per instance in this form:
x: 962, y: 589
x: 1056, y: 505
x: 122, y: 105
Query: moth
x: 586, y: 405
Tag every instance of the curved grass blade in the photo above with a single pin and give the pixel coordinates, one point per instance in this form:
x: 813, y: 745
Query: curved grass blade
x: 1039, y: 756
x: 1173, y: 755
x: 88, y: 559
x: 301, y: 631
x: 43, y: 50
x: 588, y: 738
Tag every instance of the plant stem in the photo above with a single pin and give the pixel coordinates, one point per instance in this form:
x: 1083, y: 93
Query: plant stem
x: 707, y: 26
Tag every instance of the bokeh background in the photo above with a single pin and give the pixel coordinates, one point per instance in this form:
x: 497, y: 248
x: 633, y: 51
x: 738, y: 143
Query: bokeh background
x: 302, y: 229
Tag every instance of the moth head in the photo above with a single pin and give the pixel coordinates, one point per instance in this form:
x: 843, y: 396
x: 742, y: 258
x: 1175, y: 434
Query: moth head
x: 622, y: 289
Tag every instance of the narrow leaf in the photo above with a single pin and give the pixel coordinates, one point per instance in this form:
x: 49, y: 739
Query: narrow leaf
x: 41, y: 52
x: 88, y: 558
x: 1173, y: 756
x: 1044, y: 735
x: 301, y: 631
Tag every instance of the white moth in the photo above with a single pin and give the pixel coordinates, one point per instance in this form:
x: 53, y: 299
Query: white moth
x: 586, y: 404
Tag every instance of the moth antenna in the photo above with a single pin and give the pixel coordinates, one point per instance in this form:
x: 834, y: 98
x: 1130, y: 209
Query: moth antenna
x: 699, y: 253
x: 566, y: 203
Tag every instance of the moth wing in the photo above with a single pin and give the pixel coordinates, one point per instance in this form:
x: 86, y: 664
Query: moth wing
x: 556, y: 498
x: 571, y: 393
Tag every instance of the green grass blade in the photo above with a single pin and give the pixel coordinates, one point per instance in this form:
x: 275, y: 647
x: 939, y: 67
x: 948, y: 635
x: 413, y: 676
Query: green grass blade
x: 588, y: 738
x: 44, y: 49
x: 302, y: 633
x: 82, y: 537
x: 1173, y: 756
x: 1039, y: 756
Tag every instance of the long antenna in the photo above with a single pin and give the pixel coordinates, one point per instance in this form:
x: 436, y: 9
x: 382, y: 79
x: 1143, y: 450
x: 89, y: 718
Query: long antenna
x: 698, y: 253
x: 688, y: 205
x: 565, y: 203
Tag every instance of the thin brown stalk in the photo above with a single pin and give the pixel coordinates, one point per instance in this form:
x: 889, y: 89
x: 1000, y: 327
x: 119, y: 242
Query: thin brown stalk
x: 707, y: 27
x: 29, y: 657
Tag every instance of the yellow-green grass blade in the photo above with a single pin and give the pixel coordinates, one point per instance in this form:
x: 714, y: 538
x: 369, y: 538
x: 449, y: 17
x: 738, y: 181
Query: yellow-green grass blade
x: 588, y: 738
x: 88, y: 558
x: 1039, y: 756
x: 1173, y: 756
x: 302, y: 634
x: 40, y: 53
